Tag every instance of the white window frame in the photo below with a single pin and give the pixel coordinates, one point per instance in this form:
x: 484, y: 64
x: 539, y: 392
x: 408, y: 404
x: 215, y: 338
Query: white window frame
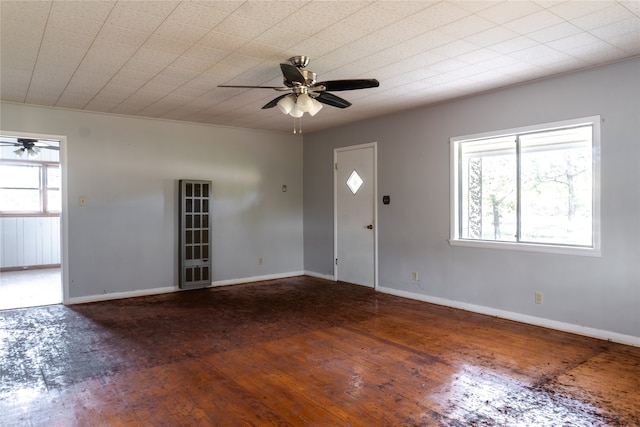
x: 456, y: 240
x: 43, y: 189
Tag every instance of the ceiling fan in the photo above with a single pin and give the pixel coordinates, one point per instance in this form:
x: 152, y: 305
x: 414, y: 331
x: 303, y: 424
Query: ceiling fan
x: 29, y: 146
x: 307, y: 94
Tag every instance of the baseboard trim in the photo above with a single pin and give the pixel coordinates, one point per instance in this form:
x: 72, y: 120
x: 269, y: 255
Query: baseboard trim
x: 28, y: 267
x: 122, y: 295
x: 319, y: 275
x: 169, y: 289
x: 256, y: 278
x: 523, y: 318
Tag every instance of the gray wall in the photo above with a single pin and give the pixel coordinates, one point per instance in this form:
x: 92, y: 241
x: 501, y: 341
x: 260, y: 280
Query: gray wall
x: 124, y: 240
x: 413, y: 168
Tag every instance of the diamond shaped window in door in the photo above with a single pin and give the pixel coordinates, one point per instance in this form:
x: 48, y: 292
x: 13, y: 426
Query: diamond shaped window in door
x: 354, y: 182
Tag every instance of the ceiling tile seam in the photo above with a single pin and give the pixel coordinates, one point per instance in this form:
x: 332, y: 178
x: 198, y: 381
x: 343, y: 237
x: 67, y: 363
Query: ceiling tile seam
x: 35, y: 63
x: 561, y: 52
x: 462, y: 78
x: 337, y: 22
x: 204, y: 109
x: 192, y: 79
x: 158, y: 73
x: 548, y: 9
x: 127, y: 61
x: 205, y: 94
x: 630, y: 10
x: 592, y: 32
x: 391, y: 48
x: 83, y: 56
x: 257, y: 38
x: 582, y: 59
x: 361, y: 38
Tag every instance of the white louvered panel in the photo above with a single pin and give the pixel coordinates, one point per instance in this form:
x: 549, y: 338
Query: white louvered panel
x: 29, y: 241
x: 9, y: 238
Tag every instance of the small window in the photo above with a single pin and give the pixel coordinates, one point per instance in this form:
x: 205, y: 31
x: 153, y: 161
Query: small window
x: 533, y: 188
x: 354, y: 182
x: 29, y: 188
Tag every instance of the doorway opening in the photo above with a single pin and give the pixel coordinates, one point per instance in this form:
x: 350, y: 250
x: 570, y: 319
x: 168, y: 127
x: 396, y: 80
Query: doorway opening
x: 30, y: 221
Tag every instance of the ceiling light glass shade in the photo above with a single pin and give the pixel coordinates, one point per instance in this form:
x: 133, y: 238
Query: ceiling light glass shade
x: 19, y: 152
x: 33, y: 152
x: 315, y: 107
x: 286, y: 104
x: 304, y: 102
x: 296, y: 112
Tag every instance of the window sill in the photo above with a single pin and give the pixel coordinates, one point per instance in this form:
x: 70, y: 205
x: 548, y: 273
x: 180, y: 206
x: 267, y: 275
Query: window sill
x: 29, y: 214
x: 528, y: 247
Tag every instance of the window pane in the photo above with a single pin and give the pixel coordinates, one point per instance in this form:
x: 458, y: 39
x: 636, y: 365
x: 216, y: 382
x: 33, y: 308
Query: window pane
x: 488, y: 189
x: 18, y: 200
x: 19, y: 176
x: 556, y: 199
x: 354, y: 182
x: 53, y: 176
x: 54, y: 203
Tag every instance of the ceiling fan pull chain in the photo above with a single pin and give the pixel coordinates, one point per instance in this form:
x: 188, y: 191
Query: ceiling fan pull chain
x: 298, y: 128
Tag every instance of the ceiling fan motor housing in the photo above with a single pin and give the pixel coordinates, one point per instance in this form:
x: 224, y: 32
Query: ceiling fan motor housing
x: 27, y: 142
x: 309, y: 79
x: 300, y: 61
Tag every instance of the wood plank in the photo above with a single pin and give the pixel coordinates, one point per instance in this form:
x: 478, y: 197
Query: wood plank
x: 302, y: 351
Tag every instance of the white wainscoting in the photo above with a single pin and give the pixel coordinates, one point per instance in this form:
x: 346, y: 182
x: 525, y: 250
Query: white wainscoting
x: 29, y: 241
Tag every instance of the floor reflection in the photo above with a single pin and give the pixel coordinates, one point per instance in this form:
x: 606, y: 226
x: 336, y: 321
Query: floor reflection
x: 477, y: 396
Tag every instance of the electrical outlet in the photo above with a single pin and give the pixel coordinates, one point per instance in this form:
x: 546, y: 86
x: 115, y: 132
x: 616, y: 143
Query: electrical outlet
x: 414, y: 276
x: 538, y: 298
x: 260, y: 261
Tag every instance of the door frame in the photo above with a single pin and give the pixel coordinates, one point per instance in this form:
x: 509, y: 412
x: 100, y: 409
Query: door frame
x: 373, y: 145
x: 64, y: 209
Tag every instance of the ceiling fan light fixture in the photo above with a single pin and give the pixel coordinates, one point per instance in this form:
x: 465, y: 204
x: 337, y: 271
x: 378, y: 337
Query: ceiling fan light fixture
x: 296, y: 112
x: 304, y: 103
x: 19, y: 152
x: 286, y: 104
x: 315, y: 107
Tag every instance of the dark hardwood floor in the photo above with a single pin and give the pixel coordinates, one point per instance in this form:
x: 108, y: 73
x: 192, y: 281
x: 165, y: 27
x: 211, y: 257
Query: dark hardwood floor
x: 303, y: 352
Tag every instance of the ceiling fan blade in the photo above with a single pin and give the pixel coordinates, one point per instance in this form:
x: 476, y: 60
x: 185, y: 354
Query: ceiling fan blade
x: 352, y: 84
x: 334, y: 101
x: 256, y: 87
x: 274, y: 102
x: 29, y: 143
x: 292, y: 74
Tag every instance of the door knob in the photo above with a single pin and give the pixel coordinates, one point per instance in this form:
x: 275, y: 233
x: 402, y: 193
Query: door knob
x: 370, y: 226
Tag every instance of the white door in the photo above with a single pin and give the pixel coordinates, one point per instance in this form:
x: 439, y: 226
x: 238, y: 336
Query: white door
x: 355, y: 214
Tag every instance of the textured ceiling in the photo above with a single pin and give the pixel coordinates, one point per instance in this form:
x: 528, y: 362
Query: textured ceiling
x: 164, y: 59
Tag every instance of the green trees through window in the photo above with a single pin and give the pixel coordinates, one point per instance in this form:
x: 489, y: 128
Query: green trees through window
x: 534, y: 186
